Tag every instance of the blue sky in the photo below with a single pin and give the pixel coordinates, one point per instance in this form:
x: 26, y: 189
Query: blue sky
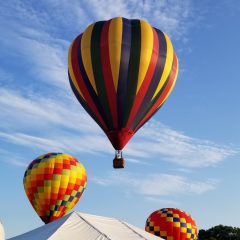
x: 187, y: 156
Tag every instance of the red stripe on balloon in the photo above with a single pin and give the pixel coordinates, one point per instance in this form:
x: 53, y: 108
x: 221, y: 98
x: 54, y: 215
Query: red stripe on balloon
x: 80, y: 81
x: 163, y: 95
x: 147, y: 80
x: 107, y: 73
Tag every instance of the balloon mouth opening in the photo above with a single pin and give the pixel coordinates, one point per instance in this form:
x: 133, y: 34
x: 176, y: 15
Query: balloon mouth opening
x: 118, y: 161
x: 45, y: 219
x: 48, y: 219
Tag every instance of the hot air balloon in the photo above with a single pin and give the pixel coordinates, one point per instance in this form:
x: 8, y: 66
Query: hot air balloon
x: 54, y: 183
x: 172, y: 224
x: 122, y: 71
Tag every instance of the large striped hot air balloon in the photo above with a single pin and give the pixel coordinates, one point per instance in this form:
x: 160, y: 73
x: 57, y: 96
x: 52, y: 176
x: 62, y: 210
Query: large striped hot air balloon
x: 172, y: 224
x: 122, y: 71
x: 54, y: 183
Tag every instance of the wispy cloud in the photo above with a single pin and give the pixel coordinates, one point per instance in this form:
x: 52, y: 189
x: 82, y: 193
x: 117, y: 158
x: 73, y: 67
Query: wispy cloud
x: 58, y: 125
x: 137, y: 161
x: 31, y: 141
x: 93, y: 144
x: 49, y: 124
x: 12, y: 159
x: 36, y: 111
x: 34, y: 35
x: 170, y: 16
x: 162, y: 200
x: 29, y: 39
x: 45, y: 56
x: 157, y: 185
x: 159, y: 141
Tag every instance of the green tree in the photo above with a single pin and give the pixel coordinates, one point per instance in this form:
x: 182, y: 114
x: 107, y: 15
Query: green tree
x: 220, y: 232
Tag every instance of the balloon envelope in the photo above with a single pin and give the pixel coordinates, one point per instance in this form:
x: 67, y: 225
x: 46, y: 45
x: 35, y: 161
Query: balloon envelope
x: 172, y: 224
x: 122, y: 71
x: 54, y: 183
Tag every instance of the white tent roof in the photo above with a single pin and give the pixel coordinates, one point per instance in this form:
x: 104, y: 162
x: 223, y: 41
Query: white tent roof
x: 81, y: 226
x: 2, y: 235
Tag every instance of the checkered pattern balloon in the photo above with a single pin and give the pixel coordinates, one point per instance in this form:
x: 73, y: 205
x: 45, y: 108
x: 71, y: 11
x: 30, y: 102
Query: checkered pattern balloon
x: 172, y: 224
x: 54, y: 183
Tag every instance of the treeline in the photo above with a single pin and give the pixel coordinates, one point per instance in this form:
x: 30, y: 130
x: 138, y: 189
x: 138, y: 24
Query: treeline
x: 220, y: 232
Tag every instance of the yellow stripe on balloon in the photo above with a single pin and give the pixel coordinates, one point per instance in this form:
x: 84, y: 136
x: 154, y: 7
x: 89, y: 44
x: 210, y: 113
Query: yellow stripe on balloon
x: 86, y: 55
x: 115, y: 45
x: 167, y: 67
x: 72, y: 76
x: 146, y: 51
x: 174, y: 82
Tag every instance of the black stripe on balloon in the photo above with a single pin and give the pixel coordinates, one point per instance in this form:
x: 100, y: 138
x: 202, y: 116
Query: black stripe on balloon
x: 133, y: 69
x: 123, y: 70
x: 83, y: 103
x: 146, y: 103
x: 155, y: 99
x: 89, y: 87
x: 97, y: 71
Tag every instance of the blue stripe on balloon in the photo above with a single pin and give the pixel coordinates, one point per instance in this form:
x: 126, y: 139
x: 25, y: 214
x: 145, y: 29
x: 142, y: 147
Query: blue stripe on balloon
x: 123, y: 71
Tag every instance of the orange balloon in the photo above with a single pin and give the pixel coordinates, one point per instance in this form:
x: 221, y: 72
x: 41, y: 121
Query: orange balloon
x: 54, y: 183
x: 172, y: 224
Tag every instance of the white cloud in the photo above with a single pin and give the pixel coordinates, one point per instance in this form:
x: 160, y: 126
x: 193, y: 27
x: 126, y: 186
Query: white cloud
x: 59, y: 125
x: 170, y: 16
x: 137, y: 161
x: 49, y: 60
x: 16, y: 162
x: 60, y: 143
x: 11, y: 158
x: 45, y: 55
x: 162, y: 201
x: 42, y: 38
x: 54, y: 125
x: 165, y: 184
x: 159, y: 141
x: 37, y: 111
x: 32, y: 141
x: 157, y: 185
x: 29, y: 39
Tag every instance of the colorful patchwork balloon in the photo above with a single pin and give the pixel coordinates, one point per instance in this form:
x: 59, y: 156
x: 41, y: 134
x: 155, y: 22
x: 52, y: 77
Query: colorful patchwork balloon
x: 122, y: 71
x: 172, y: 224
x: 54, y: 183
